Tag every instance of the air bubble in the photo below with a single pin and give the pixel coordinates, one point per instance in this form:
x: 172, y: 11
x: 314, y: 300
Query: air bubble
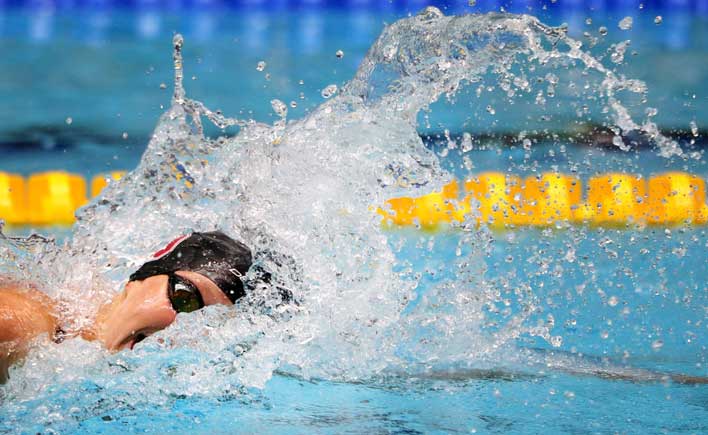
x: 657, y: 344
x: 69, y: 120
x: 658, y: 19
x: 339, y: 54
x: 261, y: 66
x: 602, y: 30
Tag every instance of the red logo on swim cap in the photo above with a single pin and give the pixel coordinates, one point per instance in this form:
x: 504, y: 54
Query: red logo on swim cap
x: 170, y: 246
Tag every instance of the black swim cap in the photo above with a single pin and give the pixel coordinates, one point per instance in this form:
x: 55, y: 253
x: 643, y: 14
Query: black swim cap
x: 214, y: 255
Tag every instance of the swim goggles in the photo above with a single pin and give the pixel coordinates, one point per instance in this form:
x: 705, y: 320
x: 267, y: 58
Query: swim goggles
x: 184, y: 296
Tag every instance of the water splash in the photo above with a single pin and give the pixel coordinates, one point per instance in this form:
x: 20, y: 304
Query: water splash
x: 305, y: 189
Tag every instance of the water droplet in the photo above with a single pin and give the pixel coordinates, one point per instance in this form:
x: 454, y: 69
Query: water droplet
x: 466, y: 145
x: 125, y: 135
x: 69, y: 120
x: 618, y: 52
x: 279, y: 108
x: 261, y: 66
x: 658, y: 19
x: 657, y: 344
x: 570, y: 255
x: 602, y: 30
x: 339, y: 54
x: 626, y: 23
x: 329, y: 91
x: 177, y: 41
x: 618, y: 142
x: 163, y: 86
x: 694, y: 128
x: 430, y: 13
x: 389, y: 52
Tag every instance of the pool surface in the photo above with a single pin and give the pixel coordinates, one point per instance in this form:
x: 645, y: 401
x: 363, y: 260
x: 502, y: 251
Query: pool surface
x: 561, y: 329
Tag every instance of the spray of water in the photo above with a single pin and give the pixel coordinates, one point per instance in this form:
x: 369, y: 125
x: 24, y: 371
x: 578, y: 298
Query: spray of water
x: 304, y: 190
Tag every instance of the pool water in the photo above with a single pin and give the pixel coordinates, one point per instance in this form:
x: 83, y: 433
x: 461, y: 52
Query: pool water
x: 616, y: 309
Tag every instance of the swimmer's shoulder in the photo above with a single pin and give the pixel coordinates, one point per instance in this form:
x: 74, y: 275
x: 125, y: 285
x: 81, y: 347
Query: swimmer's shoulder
x: 25, y: 312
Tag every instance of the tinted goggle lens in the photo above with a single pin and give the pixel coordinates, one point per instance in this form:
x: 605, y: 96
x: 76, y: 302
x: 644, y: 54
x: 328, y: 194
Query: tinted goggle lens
x: 184, y: 295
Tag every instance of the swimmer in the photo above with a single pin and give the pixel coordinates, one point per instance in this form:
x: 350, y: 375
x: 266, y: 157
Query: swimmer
x: 190, y: 273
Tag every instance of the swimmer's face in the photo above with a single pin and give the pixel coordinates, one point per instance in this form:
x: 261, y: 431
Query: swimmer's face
x: 144, y: 308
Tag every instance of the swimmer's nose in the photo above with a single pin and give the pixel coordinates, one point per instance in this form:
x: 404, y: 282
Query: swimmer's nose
x: 150, y: 304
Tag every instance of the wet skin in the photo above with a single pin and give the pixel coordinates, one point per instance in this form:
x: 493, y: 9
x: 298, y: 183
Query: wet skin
x: 141, y: 309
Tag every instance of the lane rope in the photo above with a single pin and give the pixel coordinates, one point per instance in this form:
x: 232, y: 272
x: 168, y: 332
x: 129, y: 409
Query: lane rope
x: 493, y: 198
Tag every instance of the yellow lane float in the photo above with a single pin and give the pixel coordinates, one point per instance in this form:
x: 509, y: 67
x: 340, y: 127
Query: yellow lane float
x: 426, y: 211
x: 47, y: 198
x: 53, y: 197
x: 102, y: 180
x: 13, y: 198
x: 676, y: 197
x: 495, y: 199
x: 614, y: 200
x: 550, y: 198
x: 502, y: 201
x: 491, y: 198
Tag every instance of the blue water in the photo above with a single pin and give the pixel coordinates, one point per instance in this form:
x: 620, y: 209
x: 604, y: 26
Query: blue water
x: 633, y: 299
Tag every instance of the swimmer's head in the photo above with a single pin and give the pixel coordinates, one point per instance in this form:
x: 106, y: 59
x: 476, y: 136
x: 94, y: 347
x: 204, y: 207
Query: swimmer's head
x: 214, y: 255
x: 191, y: 272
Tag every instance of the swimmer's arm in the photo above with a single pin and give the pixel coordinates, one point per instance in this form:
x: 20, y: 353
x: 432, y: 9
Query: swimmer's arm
x: 24, y: 314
